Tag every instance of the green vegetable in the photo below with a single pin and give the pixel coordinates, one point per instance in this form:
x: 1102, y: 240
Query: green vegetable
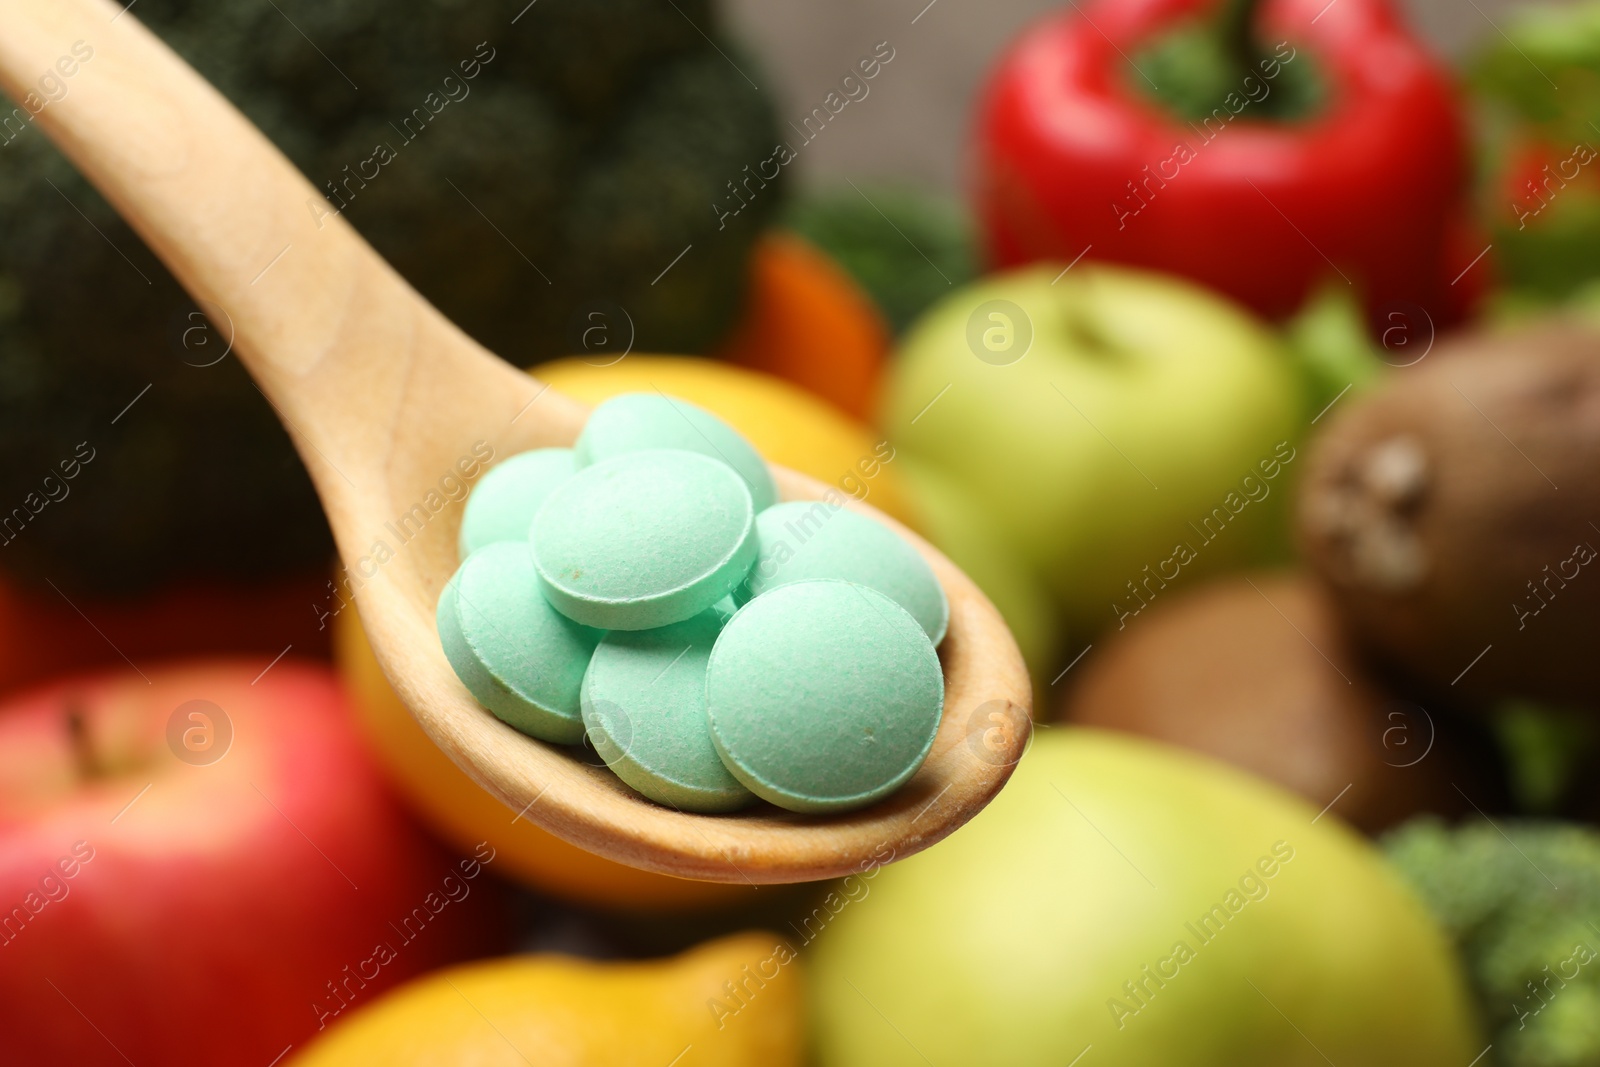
x: 1330, y: 344
x: 1522, y: 902
x: 1540, y: 148
x: 907, y: 249
x: 1544, y: 47
x: 514, y: 173
x: 1546, y: 750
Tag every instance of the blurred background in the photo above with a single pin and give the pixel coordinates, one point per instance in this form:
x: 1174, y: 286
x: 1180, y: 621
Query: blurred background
x: 917, y: 130
x: 1243, y: 352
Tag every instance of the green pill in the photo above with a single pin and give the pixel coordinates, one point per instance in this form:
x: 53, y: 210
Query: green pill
x: 503, y: 503
x: 804, y: 540
x: 645, y: 539
x: 519, y: 657
x: 823, y: 696
x: 634, y: 422
x: 644, y: 703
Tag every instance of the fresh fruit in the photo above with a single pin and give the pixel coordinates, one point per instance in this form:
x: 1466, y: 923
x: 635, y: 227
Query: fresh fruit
x: 462, y: 813
x: 1256, y: 671
x: 1131, y: 904
x: 787, y: 425
x: 806, y: 320
x: 1117, y: 429
x: 1253, y: 147
x: 735, y: 1002
x: 200, y: 865
x: 43, y: 634
x: 1449, y: 512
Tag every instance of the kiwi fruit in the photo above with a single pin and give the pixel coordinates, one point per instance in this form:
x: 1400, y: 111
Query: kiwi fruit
x: 1255, y: 670
x: 1453, y: 515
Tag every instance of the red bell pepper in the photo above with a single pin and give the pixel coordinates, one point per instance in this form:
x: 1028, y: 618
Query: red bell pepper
x: 1078, y: 154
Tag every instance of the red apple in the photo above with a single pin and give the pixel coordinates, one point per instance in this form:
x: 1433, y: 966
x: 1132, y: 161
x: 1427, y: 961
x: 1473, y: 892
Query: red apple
x: 201, y: 866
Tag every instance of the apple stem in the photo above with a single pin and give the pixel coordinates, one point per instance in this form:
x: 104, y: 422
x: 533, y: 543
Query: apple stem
x: 1089, y: 338
x: 83, y: 753
x: 1084, y: 327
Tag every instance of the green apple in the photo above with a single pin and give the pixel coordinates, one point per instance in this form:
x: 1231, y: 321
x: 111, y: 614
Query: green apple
x: 1116, y: 426
x: 947, y: 517
x: 1132, y: 904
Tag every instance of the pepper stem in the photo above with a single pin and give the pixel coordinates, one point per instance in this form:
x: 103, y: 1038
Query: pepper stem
x: 1199, y: 64
x: 1235, y: 29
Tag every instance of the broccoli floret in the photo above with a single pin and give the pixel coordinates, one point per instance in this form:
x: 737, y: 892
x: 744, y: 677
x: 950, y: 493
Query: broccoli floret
x: 579, y: 160
x: 1522, y: 902
x: 905, y: 271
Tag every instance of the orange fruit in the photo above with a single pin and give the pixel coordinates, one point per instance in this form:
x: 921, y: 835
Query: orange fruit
x: 732, y: 1002
x: 458, y: 810
x: 808, y: 322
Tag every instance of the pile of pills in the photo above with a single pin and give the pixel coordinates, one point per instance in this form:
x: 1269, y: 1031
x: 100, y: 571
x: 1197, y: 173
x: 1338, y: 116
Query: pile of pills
x: 645, y: 589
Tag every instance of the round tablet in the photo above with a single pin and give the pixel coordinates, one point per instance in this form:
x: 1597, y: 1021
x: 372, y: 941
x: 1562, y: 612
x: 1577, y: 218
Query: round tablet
x: 803, y: 540
x: 633, y: 422
x: 823, y: 696
x: 645, y: 539
x: 519, y: 657
x: 644, y: 703
x: 502, y: 504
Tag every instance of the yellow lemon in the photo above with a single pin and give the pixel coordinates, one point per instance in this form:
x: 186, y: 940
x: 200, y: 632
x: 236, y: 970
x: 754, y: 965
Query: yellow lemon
x: 786, y: 424
x: 556, y: 1011
x: 462, y: 813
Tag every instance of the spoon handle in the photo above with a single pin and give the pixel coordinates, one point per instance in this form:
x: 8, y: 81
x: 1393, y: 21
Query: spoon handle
x: 322, y: 323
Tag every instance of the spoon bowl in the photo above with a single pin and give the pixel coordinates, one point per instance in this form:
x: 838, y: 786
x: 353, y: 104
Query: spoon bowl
x: 387, y: 402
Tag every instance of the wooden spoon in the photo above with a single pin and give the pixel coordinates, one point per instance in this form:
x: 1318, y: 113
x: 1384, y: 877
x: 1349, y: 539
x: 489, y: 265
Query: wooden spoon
x: 383, y: 396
